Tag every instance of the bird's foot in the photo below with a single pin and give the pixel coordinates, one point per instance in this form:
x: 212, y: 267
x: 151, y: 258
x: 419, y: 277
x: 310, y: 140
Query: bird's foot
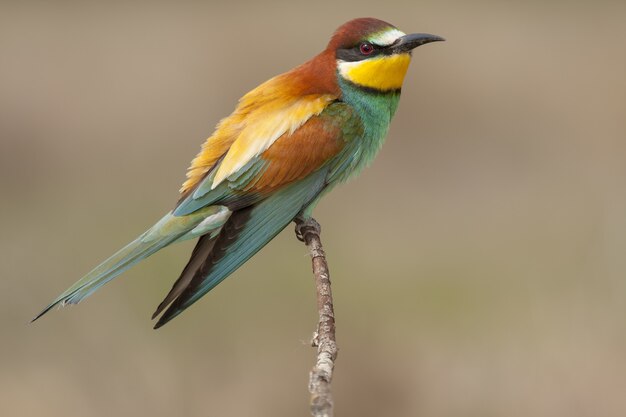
x: 304, y: 226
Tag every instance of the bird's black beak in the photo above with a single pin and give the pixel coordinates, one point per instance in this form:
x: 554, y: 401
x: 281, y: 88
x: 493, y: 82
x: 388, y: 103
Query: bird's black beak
x: 407, y: 43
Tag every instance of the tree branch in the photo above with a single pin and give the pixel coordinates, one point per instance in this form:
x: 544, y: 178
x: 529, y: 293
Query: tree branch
x: 308, y: 231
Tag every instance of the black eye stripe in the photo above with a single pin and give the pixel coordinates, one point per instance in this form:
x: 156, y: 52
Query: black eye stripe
x: 354, y: 53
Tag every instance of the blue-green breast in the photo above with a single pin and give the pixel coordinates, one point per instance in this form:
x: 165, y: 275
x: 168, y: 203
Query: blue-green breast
x: 373, y: 111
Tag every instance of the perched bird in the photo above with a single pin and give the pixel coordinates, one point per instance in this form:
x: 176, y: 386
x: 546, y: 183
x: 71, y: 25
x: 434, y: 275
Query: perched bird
x: 288, y: 142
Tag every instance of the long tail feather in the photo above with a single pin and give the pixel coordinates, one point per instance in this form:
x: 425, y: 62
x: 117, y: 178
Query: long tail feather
x: 169, y: 229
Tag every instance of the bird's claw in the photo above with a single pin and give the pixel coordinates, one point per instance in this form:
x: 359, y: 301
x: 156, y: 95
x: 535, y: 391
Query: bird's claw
x: 304, y: 226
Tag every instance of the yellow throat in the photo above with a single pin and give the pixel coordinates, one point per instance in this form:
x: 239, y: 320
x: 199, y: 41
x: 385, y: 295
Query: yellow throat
x: 382, y: 73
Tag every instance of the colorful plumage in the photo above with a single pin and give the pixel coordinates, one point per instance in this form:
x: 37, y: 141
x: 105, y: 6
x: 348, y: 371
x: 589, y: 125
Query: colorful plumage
x: 288, y: 142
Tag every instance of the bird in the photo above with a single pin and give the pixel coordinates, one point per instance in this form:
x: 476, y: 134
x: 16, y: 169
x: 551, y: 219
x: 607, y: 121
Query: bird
x: 288, y: 142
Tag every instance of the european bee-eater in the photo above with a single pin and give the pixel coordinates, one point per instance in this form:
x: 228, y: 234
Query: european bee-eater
x: 288, y: 142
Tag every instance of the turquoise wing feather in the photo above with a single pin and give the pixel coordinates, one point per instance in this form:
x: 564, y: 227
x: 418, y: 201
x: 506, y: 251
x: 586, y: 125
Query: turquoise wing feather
x: 246, y: 232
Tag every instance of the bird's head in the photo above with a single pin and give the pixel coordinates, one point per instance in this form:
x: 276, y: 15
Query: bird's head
x: 373, y: 54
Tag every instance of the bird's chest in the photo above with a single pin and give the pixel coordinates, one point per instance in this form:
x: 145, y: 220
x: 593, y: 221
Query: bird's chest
x: 374, y: 111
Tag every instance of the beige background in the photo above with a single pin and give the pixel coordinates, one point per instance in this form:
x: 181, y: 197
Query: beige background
x: 479, y: 265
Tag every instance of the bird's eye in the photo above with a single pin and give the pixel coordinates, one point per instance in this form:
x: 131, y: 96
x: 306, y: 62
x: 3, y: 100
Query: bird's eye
x: 366, y: 48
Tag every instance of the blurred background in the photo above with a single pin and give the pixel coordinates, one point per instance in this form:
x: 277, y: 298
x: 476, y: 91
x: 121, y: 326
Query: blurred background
x: 478, y: 266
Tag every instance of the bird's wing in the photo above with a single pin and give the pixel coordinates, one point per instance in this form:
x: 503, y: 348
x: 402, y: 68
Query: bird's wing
x: 278, y: 106
x: 286, y: 177
x: 290, y: 158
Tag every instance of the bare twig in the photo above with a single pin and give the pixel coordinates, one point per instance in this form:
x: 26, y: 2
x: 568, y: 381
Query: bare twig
x: 308, y: 231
